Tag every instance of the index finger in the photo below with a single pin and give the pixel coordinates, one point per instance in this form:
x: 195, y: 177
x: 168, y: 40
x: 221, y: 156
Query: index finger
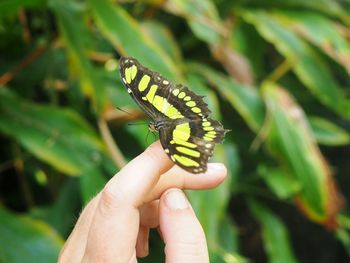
x: 114, y: 228
x: 138, y: 177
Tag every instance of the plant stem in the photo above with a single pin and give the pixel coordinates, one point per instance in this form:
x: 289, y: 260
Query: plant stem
x: 115, y: 152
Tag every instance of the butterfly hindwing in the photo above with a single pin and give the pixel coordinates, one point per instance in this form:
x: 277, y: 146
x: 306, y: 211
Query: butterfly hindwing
x: 187, y: 134
x: 190, y: 144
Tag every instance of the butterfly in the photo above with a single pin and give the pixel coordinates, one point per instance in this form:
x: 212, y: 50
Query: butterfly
x: 187, y: 133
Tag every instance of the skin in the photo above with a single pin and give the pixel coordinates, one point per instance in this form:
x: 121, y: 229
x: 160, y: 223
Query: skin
x: 146, y: 193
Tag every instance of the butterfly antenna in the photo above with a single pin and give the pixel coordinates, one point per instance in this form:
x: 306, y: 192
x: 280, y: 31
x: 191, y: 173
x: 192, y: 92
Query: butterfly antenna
x: 137, y: 123
x: 132, y: 115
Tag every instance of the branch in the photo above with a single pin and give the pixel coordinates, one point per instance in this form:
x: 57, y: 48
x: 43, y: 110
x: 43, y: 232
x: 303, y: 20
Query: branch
x: 115, y: 152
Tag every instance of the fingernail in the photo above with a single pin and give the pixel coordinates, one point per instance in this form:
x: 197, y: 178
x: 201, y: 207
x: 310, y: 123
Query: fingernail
x: 217, y: 166
x: 175, y: 199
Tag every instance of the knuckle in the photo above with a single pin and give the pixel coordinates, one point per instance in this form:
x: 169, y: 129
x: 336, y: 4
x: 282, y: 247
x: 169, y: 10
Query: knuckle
x: 152, y: 154
x: 111, y: 199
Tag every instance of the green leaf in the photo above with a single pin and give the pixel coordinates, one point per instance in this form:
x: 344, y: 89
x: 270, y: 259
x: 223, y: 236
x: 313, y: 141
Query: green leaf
x: 77, y: 40
x: 126, y: 35
x: 320, y: 31
x: 23, y: 239
x: 328, y: 133
x: 57, y: 136
x: 304, y: 61
x: 280, y: 182
x: 91, y: 183
x: 202, y: 17
x: 163, y: 37
x: 10, y: 7
x: 291, y: 141
x: 62, y: 215
x: 245, y: 99
x: 274, y: 233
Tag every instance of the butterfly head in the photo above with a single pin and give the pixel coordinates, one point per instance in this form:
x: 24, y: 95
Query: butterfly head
x: 154, y: 126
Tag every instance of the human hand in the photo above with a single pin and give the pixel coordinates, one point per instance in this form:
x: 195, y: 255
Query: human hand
x: 114, y: 226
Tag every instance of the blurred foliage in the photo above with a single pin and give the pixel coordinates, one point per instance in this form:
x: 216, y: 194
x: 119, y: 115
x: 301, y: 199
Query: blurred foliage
x: 277, y: 73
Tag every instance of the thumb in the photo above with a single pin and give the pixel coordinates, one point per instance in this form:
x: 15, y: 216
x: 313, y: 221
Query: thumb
x: 182, y: 233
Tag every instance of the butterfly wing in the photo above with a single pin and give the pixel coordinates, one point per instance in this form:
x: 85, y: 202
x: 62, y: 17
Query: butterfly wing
x: 157, y: 97
x: 191, y: 143
x: 187, y: 135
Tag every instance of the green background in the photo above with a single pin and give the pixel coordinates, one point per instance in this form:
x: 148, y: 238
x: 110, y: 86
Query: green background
x: 275, y: 72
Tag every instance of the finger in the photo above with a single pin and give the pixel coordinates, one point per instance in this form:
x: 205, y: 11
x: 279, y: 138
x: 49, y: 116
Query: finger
x: 142, y: 242
x: 114, y: 229
x: 138, y: 177
x: 149, y: 218
x: 149, y: 214
x: 74, y: 247
x: 179, y: 178
x: 182, y: 233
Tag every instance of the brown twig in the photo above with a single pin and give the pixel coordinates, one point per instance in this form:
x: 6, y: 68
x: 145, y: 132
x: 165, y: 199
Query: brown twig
x: 100, y: 57
x: 116, y: 154
x: 23, y: 183
x: 22, y: 16
x: 280, y: 71
x: 8, y: 76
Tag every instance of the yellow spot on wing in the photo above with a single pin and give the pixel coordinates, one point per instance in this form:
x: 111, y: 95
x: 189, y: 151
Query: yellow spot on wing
x: 172, y: 112
x: 196, y: 110
x: 175, y: 92
x: 185, y: 161
x: 184, y: 143
x: 206, y: 123
x: 133, y: 72
x: 182, y: 95
x: 151, y: 93
x: 144, y: 82
x: 191, y: 103
x: 188, y: 151
x: 187, y: 98
x: 182, y: 132
x: 127, y: 75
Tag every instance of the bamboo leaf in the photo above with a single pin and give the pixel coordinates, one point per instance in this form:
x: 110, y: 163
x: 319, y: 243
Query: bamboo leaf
x: 34, y: 240
x: 10, y: 7
x: 127, y: 37
x: 243, y: 98
x: 328, y: 133
x: 201, y: 16
x: 305, y: 62
x: 163, y: 37
x: 280, y: 182
x: 291, y: 140
x: 77, y: 40
x: 59, y: 137
x: 274, y: 233
x: 321, y: 31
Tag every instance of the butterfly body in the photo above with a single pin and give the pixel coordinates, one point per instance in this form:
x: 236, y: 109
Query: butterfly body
x: 187, y: 134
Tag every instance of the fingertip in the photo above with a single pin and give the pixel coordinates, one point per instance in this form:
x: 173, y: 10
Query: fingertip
x: 217, y: 170
x: 142, y: 247
x: 183, y: 235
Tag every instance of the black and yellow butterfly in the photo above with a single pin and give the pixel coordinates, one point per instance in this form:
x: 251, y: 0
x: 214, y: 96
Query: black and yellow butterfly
x: 180, y: 116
